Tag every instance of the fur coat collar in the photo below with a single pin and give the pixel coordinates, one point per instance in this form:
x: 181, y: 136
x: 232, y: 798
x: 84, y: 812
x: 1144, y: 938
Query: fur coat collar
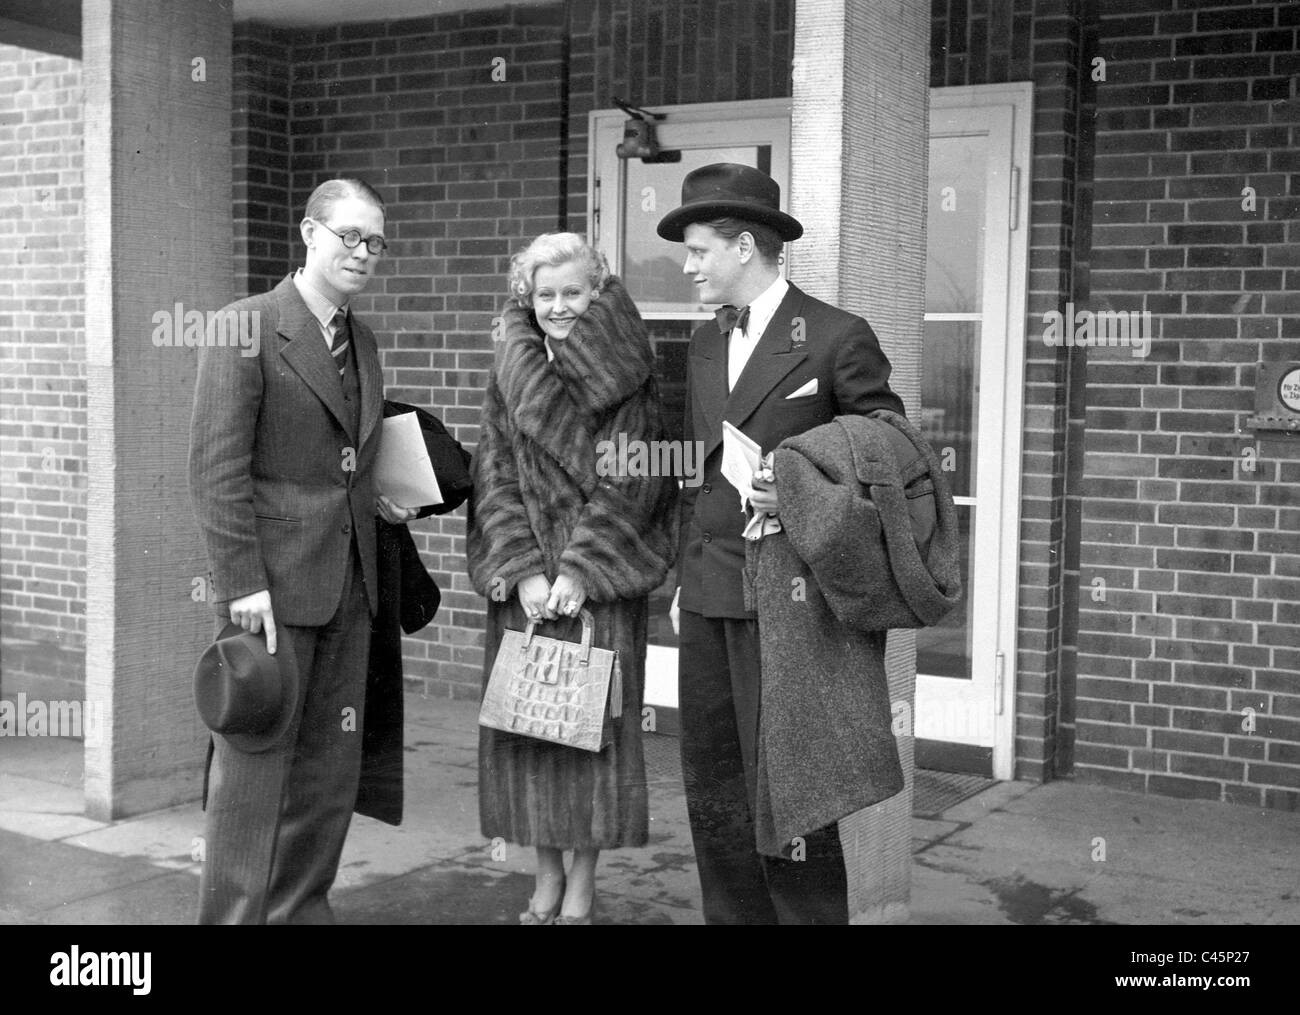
x: 544, y: 501
x: 605, y: 360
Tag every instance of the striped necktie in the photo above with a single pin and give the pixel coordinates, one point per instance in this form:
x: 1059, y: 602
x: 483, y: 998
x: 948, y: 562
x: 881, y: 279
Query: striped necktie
x: 342, y: 339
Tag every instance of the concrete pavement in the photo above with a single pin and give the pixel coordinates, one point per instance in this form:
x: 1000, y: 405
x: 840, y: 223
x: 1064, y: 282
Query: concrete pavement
x: 1016, y: 853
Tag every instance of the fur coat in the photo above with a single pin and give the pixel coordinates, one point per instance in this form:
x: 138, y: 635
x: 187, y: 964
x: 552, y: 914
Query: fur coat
x: 542, y: 506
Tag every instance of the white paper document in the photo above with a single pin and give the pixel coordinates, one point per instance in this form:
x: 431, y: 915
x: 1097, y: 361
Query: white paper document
x: 741, y: 458
x: 403, y: 472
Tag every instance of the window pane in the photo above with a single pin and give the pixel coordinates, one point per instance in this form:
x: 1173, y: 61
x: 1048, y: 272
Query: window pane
x: 652, y: 267
x: 950, y: 358
x: 945, y: 649
x: 671, y: 340
x: 954, y: 268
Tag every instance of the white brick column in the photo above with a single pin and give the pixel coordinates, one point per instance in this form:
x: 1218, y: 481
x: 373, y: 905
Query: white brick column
x: 158, y: 232
x: 859, y: 152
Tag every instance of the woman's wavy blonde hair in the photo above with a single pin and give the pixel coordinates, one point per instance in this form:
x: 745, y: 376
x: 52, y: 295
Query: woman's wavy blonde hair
x: 551, y: 250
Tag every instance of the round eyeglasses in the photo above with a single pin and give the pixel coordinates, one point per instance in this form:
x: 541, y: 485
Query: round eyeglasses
x: 352, y: 238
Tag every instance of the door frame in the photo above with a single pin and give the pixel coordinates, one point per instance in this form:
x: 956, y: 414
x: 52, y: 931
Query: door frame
x: 1001, y: 641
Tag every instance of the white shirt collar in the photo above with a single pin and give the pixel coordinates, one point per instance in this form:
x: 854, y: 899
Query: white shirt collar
x: 763, y: 307
x: 319, y: 305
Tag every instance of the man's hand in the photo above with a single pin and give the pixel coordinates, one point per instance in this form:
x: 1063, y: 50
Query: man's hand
x: 392, y: 513
x: 675, y: 614
x: 567, y: 596
x: 764, y: 495
x: 533, y: 594
x: 253, y: 613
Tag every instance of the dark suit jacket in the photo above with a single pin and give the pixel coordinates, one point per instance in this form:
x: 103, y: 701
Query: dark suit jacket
x: 806, y: 339
x: 280, y: 470
x: 408, y: 600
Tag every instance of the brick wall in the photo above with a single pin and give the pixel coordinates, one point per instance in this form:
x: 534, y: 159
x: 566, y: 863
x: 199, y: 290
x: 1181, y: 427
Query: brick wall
x: 458, y: 120
x: 665, y: 53
x: 977, y: 42
x: 1199, y: 556
x: 42, y: 380
x: 264, y: 230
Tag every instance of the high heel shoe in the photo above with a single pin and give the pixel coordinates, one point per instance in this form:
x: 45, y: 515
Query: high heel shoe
x: 532, y: 918
x: 577, y: 921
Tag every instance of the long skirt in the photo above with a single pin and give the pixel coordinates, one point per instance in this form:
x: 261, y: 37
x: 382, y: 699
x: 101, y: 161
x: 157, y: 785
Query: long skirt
x: 535, y: 793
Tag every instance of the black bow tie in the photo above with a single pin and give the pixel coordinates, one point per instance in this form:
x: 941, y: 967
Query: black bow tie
x: 729, y: 317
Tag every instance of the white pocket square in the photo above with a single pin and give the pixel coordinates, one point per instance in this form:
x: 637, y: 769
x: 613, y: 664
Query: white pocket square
x: 807, y: 389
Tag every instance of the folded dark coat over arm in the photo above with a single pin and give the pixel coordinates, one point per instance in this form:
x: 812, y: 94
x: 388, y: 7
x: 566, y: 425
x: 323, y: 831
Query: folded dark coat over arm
x: 408, y: 600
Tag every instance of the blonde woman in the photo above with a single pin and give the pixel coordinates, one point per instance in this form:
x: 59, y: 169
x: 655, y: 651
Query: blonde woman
x: 550, y: 533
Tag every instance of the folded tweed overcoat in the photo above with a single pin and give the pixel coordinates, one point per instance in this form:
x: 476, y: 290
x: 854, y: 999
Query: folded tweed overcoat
x: 868, y: 542
x: 548, y: 500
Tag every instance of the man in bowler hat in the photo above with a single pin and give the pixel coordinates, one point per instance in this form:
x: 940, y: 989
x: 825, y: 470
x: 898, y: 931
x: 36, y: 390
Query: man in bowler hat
x: 283, y: 447
x: 775, y: 363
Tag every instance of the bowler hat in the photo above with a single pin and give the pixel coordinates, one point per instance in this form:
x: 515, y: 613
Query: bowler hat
x: 243, y: 692
x: 729, y: 190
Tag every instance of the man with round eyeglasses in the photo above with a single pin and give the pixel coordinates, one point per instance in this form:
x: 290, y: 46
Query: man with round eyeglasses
x: 352, y: 239
x: 282, y: 453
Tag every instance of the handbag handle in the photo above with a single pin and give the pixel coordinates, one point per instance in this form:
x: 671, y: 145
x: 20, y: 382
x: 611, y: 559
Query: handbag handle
x: 588, y: 630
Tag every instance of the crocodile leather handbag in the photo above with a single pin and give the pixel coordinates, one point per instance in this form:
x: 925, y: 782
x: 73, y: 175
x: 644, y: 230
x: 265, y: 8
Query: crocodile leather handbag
x: 554, y: 690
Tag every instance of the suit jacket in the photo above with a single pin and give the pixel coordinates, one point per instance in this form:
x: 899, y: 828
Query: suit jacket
x: 806, y: 339
x: 281, y: 465
x: 408, y: 600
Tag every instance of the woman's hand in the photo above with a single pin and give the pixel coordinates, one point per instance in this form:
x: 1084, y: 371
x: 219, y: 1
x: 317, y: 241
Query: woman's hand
x: 567, y: 596
x: 533, y: 595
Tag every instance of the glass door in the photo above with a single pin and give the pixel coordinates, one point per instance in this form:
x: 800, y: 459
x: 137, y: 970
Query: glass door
x: 972, y: 362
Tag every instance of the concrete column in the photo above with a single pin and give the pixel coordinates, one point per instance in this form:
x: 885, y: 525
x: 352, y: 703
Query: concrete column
x: 158, y: 233
x: 860, y: 150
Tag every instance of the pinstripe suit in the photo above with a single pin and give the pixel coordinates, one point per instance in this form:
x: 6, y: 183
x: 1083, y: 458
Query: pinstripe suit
x: 281, y: 462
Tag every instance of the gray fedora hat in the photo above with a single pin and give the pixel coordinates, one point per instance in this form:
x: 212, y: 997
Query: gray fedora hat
x: 243, y: 692
x: 729, y: 190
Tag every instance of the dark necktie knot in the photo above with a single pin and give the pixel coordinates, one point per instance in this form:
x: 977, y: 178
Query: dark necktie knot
x: 729, y: 317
